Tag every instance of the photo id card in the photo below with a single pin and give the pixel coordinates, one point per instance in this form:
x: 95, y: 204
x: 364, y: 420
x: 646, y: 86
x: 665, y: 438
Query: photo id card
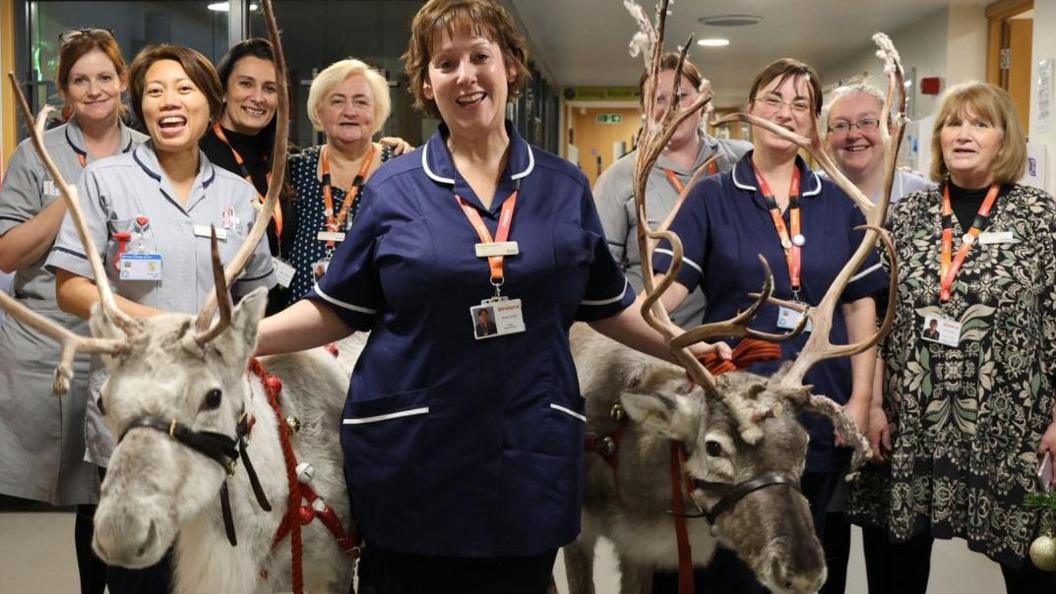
x: 788, y: 319
x: 497, y: 317
x: 284, y: 272
x: 139, y: 267
x: 941, y: 330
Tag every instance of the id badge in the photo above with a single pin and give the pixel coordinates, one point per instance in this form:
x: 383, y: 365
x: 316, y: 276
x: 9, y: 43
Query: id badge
x: 497, y: 317
x: 788, y: 319
x: 206, y: 231
x: 320, y: 267
x: 334, y: 236
x: 284, y: 272
x: 942, y: 330
x: 997, y: 237
x: 496, y: 248
x: 140, y: 267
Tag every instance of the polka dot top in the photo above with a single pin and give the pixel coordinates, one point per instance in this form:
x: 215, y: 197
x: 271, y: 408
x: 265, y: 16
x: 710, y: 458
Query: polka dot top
x: 305, y: 252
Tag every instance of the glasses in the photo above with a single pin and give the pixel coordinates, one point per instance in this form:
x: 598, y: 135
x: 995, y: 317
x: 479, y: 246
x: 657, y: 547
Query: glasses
x: 841, y: 127
x: 68, y: 35
x: 775, y: 103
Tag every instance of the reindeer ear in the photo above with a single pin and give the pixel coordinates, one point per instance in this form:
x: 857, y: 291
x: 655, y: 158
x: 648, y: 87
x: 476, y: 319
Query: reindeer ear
x: 239, y: 340
x: 672, y: 415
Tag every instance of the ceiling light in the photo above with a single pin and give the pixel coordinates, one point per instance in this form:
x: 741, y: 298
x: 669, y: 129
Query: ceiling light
x: 226, y: 6
x: 713, y: 42
x: 730, y: 20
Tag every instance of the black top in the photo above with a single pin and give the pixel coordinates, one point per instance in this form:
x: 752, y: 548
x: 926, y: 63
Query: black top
x: 966, y: 202
x: 255, y: 151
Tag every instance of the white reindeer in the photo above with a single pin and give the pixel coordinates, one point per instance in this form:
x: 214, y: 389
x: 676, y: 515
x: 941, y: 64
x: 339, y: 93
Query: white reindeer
x: 730, y: 450
x: 187, y: 414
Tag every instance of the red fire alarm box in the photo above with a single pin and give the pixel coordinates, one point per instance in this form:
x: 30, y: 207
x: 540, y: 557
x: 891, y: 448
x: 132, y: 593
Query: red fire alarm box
x: 930, y: 85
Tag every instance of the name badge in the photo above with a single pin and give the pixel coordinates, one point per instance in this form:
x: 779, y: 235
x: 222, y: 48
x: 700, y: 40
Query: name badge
x: 319, y: 268
x: 497, y: 317
x: 139, y: 267
x: 206, y: 231
x: 788, y: 319
x: 50, y: 189
x: 942, y: 330
x: 284, y: 272
x: 330, y: 236
x: 992, y: 237
x: 496, y: 248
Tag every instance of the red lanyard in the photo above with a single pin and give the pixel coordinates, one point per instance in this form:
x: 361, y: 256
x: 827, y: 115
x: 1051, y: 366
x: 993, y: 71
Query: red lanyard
x: 334, y: 222
x: 245, y: 174
x: 791, y: 245
x: 948, y: 270
x: 501, y: 234
x: 677, y: 184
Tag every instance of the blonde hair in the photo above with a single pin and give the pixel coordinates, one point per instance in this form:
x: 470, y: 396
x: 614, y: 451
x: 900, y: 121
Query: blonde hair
x: 339, y: 72
x: 993, y: 105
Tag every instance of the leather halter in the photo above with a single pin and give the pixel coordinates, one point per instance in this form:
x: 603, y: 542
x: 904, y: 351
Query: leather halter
x: 221, y: 448
x: 737, y: 492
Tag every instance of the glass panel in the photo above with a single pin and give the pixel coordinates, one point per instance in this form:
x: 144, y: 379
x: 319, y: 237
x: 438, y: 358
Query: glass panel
x: 134, y: 24
x: 315, y: 34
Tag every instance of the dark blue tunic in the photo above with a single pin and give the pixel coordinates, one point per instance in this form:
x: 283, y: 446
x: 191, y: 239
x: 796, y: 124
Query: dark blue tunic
x: 454, y: 446
x: 724, y: 224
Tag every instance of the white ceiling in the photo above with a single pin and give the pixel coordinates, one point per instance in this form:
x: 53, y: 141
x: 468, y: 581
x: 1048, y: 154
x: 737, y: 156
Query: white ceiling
x: 584, y: 42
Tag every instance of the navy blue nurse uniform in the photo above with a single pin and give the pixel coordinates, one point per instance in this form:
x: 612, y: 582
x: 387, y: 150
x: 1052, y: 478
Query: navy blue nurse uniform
x: 724, y: 224
x: 453, y: 446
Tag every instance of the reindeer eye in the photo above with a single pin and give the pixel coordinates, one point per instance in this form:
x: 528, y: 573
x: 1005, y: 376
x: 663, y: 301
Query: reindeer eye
x: 212, y: 399
x: 713, y: 448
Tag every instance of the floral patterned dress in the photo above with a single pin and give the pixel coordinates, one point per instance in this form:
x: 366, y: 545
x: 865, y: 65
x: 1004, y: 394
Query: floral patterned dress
x: 967, y: 421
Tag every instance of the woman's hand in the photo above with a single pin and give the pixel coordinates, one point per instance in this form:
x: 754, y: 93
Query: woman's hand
x: 399, y: 145
x: 703, y: 349
x: 879, y: 433
x: 858, y: 409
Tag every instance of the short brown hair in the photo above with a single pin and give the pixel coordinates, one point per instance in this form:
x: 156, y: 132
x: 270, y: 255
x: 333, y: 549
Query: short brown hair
x: 85, y: 41
x: 669, y: 61
x: 786, y: 68
x: 198, y: 68
x: 485, y: 18
x: 993, y: 105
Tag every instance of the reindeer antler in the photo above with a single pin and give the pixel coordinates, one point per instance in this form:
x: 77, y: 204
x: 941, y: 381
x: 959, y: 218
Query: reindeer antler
x: 71, y: 343
x: 69, y: 195
x: 278, y: 172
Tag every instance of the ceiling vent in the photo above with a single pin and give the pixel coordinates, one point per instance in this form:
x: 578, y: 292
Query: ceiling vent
x: 730, y: 20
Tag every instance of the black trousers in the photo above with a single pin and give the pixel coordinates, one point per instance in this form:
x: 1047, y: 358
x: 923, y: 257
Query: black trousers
x: 91, y: 568
x: 727, y: 574
x: 383, y: 571
x: 904, y: 567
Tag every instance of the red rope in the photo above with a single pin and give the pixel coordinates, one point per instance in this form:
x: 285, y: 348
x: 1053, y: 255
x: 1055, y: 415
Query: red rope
x: 685, y: 559
x: 747, y: 352
x: 291, y: 520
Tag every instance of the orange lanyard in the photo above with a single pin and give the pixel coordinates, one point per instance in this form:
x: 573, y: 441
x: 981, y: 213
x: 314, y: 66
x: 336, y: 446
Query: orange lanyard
x: 245, y: 174
x: 335, y: 222
x: 948, y: 269
x: 82, y: 159
x: 501, y: 234
x: 677, y: 184
x: 793, y: 244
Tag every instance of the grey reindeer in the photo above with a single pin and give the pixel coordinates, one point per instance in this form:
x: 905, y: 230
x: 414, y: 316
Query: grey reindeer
x: 190, y: 417
x: 729, y: 447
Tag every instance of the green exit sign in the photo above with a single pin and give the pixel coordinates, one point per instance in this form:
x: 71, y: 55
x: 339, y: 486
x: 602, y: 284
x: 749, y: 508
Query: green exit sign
x: 608, y: 118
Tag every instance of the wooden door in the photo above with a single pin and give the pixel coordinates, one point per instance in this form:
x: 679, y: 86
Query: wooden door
x: 600, y: 138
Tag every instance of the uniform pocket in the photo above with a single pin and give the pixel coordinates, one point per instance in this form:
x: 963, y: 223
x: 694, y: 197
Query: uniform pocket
x: 554, y: 426
x: 386, y: 430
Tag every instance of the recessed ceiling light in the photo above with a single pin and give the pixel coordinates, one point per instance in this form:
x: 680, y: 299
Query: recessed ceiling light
x: 713, y: 42
x: 226, y: 6
x: 730, y: 20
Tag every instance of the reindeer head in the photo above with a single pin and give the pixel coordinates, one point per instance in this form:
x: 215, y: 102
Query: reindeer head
x: 154, y: 482
x: 748, y: 491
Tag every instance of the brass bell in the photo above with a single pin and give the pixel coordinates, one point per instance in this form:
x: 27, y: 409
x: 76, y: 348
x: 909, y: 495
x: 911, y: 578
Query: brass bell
x: 293, y: 423
x: 616, y: 412
x: 607, y: 447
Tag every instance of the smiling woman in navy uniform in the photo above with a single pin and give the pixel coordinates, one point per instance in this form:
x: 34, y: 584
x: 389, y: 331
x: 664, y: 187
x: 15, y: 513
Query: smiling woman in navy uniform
x: 771, y: 203
x: 150, y: 212
x: 41, y: 434
x: 464, y: 453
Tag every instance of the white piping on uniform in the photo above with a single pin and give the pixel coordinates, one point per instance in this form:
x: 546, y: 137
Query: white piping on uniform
x: 817, y: 189
x: 411, y: 412
x: 684, y: 259
x: 429, y: 172
x: 607, y: 301
x: 864, y: 273
x: 737, y: 182
x: 531, y: 162
x: 339, y: 303
x: 568, y: 411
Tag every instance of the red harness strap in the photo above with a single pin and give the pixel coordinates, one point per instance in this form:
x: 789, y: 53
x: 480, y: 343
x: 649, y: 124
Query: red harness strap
x: 297, y: 515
